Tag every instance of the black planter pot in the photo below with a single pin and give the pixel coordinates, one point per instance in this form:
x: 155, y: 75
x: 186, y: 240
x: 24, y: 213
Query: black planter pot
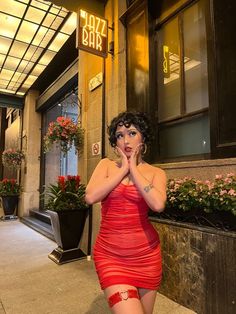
x: 9, y: 204
x: 68, y: 226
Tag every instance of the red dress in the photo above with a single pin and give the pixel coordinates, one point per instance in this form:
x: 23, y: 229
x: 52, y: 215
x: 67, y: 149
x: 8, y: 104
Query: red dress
x: 127, y: 249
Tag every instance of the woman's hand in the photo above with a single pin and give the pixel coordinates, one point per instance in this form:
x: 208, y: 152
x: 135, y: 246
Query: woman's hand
x: 135, y: 156
x: 124, y: 159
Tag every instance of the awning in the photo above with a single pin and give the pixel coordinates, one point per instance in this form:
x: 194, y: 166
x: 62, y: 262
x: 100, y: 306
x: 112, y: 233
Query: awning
x: 10, y: 101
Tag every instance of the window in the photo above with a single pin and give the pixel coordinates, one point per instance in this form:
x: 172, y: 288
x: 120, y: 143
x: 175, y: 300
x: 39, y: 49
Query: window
x: 55, y: 164
x: 182, y: 85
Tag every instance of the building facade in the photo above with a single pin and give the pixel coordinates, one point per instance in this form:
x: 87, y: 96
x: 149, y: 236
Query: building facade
x: 175, y: 60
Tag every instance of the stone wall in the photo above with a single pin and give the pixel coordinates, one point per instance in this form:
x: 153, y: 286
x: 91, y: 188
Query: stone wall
x: 200, y: 169
x: 199, y: 267
x: 31, y: 144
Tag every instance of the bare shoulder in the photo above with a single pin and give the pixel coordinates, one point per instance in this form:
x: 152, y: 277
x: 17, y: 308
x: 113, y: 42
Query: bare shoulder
x: 156, y: 171
x: 160, y: 171
x: 106, y: 163
x: 102, y: 168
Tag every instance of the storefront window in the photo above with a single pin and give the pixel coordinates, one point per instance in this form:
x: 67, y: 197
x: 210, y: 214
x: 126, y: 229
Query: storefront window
x: 186, y: 138
x: 195, y: 59
x: 169, y: 89
x: 55, y: 163
x: 183, y: 85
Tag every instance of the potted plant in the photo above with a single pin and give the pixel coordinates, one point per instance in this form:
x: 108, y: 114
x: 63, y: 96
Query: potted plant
x: 12, y: 158
x: 65, y: 133
x: 9, y: 193
x: 68, y: 212
x: 211, y: 203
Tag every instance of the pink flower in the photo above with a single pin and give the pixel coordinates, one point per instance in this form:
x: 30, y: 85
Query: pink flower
x: 223, y: 192
x: 232, y: 192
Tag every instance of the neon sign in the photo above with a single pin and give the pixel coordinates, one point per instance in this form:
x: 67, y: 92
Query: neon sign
x: 92, y: 33
x: 166, y: 61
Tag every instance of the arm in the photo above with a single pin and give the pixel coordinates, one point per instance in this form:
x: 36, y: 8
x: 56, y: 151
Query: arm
x: 153, y: 192
x: 100, y: 185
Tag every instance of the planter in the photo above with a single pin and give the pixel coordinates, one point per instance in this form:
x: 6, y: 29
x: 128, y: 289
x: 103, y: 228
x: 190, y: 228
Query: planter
x: 68, y: 226
x: 221, y: 220
x: 9, y: 204
x: 199, y: 266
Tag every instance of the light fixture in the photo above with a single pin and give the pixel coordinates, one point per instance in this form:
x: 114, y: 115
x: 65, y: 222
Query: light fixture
x: 71, y: 99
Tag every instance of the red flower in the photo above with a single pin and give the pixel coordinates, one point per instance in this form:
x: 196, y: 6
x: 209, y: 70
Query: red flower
x: 9, y: 187
x: 77, y: 179
x: 70, y: 178
x: 61, y: 182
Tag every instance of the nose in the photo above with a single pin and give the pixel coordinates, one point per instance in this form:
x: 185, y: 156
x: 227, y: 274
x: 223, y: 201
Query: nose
x: 126, y: 139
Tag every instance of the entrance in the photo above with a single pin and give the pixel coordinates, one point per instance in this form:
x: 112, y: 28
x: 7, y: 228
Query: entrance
x: 55, y: 163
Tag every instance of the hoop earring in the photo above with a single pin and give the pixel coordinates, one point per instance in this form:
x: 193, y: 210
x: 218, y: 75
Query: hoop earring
x: 144, y: 149
x: 115, y: 150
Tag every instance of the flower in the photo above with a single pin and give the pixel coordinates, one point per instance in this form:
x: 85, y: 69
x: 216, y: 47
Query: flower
x: 9, y: 187
x: 66, y: 133
x: 67, y: 194
x: 12, y: 158
x: 188, y: 193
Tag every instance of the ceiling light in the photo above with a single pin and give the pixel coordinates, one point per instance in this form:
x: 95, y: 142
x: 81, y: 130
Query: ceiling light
x: 31, y: 33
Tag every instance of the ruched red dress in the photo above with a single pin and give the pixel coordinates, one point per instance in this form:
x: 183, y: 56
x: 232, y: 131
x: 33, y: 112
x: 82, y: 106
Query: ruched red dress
x: 127, y: 249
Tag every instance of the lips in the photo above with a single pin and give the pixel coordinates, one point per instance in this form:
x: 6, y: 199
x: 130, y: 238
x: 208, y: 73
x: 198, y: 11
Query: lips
x: 128, y: 149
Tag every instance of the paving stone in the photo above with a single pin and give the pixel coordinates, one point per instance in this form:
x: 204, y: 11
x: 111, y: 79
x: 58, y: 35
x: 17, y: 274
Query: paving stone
x: 30, y: 283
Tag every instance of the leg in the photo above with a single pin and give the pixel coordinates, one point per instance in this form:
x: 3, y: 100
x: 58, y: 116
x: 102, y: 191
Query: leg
x: 147, y: 298
x: 125, y: 304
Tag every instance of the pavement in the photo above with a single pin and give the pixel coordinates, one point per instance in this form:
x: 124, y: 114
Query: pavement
x: 31, y: 283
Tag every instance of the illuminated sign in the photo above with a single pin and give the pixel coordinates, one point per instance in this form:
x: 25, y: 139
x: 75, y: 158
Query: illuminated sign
x: 92, y: 33
x: 166, y: 61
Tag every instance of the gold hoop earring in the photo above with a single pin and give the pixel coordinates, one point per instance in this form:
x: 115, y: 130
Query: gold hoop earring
x: 115, y: 150
x: 144, y: 149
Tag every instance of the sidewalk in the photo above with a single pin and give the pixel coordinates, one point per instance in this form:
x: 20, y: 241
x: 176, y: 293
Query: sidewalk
x: 30, y: 283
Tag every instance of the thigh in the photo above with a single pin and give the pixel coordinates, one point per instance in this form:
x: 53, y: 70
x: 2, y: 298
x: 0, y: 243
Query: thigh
x: 147, y: 298
x: 131, y: 305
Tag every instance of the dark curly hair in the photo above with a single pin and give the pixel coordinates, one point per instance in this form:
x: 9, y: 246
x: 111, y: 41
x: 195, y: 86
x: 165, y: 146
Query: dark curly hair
x: 138, y: 119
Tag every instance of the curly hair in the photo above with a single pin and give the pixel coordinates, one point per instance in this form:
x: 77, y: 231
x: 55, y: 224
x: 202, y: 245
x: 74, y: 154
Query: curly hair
x: 138, y: 119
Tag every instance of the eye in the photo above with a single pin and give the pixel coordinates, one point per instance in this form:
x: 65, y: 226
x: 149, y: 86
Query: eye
x: 119, y: 135
x: 132, y: 133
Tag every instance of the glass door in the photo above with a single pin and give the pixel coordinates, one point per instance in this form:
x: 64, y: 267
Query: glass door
x: 55, y: 163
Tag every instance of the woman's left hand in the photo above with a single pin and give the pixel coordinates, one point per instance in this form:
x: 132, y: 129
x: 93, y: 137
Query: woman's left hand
x: 134, y: 158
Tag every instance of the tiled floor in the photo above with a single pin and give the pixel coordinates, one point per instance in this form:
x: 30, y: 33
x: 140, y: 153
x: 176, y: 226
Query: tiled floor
x: 30, y: 283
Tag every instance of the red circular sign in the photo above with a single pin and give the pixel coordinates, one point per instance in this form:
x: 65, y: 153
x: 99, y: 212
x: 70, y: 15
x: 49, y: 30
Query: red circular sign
x: 95, y: 148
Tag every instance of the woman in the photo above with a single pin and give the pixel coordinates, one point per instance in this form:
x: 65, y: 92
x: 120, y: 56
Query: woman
x: 127, y: 250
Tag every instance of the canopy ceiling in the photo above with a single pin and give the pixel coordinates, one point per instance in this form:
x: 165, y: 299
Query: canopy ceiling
x: 31, y: 34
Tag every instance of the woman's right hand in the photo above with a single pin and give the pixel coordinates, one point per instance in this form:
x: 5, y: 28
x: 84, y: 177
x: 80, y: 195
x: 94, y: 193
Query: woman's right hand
x: 124, y: 160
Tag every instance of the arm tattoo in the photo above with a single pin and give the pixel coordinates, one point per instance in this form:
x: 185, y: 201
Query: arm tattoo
x: 148, y: 188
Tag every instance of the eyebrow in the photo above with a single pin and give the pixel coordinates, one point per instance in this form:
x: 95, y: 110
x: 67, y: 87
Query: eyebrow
x: 118, y: 132
x: 121, y: 132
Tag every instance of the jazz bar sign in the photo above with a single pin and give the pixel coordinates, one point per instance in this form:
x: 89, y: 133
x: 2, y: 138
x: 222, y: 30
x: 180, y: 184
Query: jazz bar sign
x: 92, y: 33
